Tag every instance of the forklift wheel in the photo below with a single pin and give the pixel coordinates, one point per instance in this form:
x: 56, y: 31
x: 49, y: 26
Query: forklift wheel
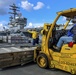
x: 42, y: 61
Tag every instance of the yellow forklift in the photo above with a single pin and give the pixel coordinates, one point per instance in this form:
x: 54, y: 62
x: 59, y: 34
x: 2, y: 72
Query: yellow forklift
x: 46, y: 56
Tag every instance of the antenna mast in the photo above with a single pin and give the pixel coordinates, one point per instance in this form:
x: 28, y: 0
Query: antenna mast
x: 14, y: 9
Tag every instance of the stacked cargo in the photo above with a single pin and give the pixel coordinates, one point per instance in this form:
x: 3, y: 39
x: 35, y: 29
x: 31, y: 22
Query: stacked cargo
x: 11, y: 56
x: 17, y: 39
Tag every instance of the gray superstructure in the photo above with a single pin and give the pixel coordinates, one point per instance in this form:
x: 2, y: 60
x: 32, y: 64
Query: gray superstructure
x: 16, y: 24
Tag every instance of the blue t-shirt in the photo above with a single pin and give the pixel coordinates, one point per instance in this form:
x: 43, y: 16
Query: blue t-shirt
x: 69, y: 32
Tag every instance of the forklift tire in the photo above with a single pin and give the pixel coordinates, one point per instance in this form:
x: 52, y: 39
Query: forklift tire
x: 42, y: 61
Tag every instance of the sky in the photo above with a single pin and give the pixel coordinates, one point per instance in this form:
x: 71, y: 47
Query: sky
x: 37, y: 12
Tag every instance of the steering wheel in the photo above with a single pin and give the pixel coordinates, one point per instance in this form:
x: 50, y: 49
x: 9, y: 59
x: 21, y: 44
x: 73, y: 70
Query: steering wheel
x: 59, y: 34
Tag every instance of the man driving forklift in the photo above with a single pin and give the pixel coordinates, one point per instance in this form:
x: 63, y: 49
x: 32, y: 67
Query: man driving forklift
x: 68, y: 37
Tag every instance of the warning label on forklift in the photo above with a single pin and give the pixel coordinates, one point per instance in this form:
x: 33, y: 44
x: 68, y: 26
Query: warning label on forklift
x: 67, y: 63
x: 65, y: 55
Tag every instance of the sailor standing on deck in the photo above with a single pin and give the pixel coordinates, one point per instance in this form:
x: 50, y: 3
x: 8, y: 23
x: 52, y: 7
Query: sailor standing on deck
x: 34, y: 36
